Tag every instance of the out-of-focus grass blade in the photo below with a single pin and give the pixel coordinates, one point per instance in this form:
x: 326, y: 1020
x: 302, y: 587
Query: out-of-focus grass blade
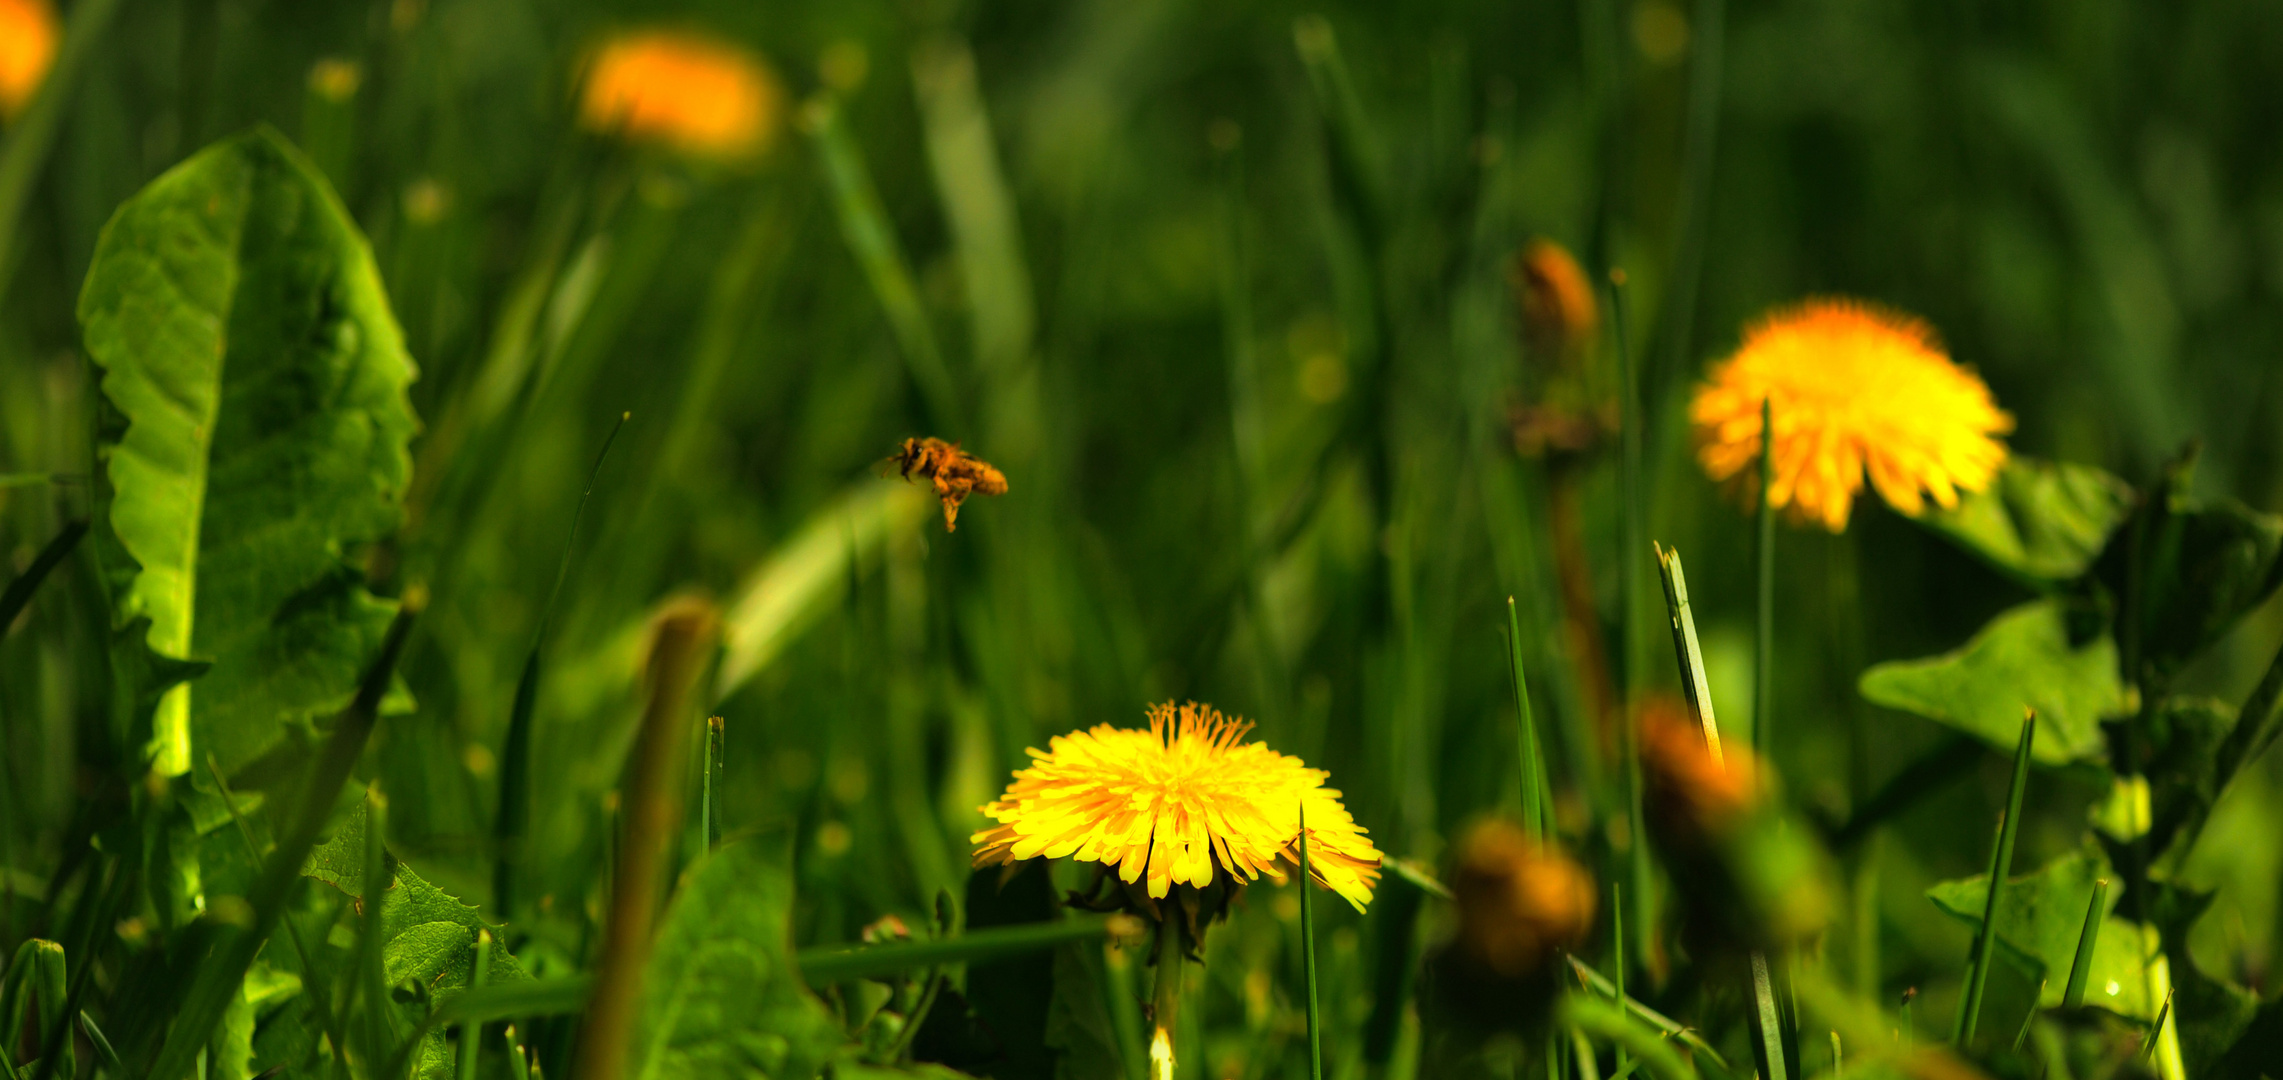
x: 220, y: 974
x: 32, y: 134
x: 823, y: 967
x: 499, y: 1001
x: 1358, y: 173
x: 987, y: 238
x: 2001, y: 862
x: 2029, y: 1019
x: 1632, y: 518
x: 1308, y: 954
x: 801, y: 578
x: 1703, y: 1050
x: 1526, y: 729
x: 2081, y: 968
x: 864, y: 224
x: 510, y: 825
x: 1764, y: 592
x: 1607, y: 1020
x: 709, y: 811
x: 20, y: 590
x: 104, y: 1055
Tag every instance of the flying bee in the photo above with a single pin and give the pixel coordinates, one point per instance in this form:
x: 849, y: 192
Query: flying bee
x: 955, y: 473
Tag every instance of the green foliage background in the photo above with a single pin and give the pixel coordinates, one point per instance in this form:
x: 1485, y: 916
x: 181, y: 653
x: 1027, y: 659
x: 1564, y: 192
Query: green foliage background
x: 1222, y: 289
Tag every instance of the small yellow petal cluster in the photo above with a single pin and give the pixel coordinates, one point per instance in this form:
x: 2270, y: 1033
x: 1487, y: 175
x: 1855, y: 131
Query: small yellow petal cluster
x: 696, y: 94
x: 27, y: 50
x: 1170, y: 802
x: 1855, y: 389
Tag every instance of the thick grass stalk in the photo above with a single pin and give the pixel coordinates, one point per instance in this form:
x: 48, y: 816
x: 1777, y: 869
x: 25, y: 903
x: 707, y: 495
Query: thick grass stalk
x: 2001, y: 862
x: 1766, y: 1013
x: 2081, y: 968
x: 224, y: 969
x: 653, y: 816
x: 513, y: 821
x: 1308, y: 955
x: 1526, y: 729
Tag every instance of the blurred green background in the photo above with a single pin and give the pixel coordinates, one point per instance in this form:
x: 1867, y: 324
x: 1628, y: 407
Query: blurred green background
x: 1222, y: 288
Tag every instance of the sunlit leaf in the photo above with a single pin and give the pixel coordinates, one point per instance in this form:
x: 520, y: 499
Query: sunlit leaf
x: 2025, y: 657
x: 255, y: 439
x: 2039, y: 919
x: 2041, y: 521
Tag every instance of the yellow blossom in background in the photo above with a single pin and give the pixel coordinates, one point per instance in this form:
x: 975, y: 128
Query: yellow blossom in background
x: 697, y: 94
x: 1171, y: 802
x: 27, y: 50
x: 1856, y: 390
x: 1559, y: 313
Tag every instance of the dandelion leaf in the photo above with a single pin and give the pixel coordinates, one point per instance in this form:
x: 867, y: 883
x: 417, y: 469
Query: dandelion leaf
x: 721, y: 997
x: 2042, y: 522
x: 254, y: 437
x: 2038, y: 922
x: 2185, y: 569
x: 2034, y: 656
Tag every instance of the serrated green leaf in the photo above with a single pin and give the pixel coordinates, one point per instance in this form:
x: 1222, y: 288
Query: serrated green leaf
x: 256, y: 437
x: 2023, y: 657
x: 2038, y: 921
x: 2185, y: 569
x: 2042, y: 522
x: 721, y: 997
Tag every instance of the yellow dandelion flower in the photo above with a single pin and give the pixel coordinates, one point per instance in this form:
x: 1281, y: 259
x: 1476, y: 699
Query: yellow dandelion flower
x: 27, y: 50
x: 1172, y: 802
x: 1856, y: 389
x: 694, y: 93
x: 1559, y: 313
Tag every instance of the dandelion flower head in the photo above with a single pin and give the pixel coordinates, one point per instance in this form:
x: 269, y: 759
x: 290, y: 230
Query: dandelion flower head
x: 1856, y: 390
x: 697, y: 94
x: 27, y: 50
x: 1169, y: 803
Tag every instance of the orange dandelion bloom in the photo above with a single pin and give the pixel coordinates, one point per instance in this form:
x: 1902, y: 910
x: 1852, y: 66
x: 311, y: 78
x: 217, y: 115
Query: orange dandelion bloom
x: 697, y: 94
x: 1178, y: 803
x: 27, y: 50
x: 955, y: 473
x: 1856, y: 390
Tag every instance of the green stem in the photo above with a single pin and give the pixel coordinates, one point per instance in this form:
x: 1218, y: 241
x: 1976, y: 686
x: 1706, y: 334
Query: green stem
x: 708, y: 811
x: 1628, y: 618
x: 1165, y: 1001
x: 1764, y: 652
x: 2001, y: 862
x: 472, y: 1031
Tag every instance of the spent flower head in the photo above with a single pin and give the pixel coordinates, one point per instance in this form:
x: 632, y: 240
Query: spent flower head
x: 1856, y: 390
x: 1180, y: 803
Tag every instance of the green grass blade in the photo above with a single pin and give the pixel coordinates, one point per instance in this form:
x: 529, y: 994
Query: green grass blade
x: 2001, y: 862
x: 220, y: 974
x: 104, y: 1055
x: 472, y: 1031
x: 2081, y: 968
x: 825, y: 966
x: 1526, y: 729
x: 20, y: 590
x: 2021, y: 1038
x: 1607, y: 1020
x: 1617, y: 946
x: 1308, y: 955
x: 1601, y: 984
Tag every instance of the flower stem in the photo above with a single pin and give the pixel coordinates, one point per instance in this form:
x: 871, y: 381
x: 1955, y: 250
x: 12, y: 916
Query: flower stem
x: 1165, y: 1003
x: 1308, y: 949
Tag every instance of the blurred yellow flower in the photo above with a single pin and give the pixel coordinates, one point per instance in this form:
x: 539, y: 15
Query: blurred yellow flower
x: 27, y: 50
x: 1856, y: 389
x: 697, y: 94
x: 1560, y: 315
x: 1171, y: 801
